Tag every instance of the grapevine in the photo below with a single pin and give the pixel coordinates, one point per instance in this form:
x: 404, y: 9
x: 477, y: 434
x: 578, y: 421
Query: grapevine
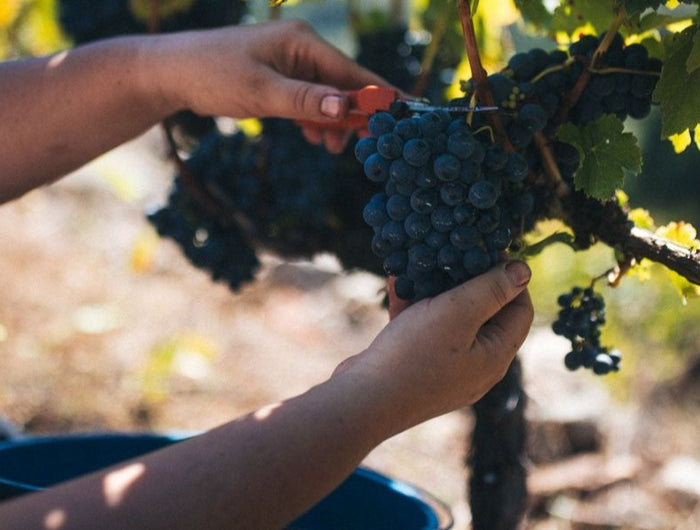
x: 436, y: 198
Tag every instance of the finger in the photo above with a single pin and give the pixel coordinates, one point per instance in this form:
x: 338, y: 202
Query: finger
x: 297, y: 100
x: 320, y: 61
x: 482, y: 297
x: 313, y: 135
x: 336, y: 141
x: 396, y: 304
x: 503, y: 335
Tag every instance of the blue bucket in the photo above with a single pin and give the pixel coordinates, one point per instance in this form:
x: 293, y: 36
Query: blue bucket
x: 366, y: 500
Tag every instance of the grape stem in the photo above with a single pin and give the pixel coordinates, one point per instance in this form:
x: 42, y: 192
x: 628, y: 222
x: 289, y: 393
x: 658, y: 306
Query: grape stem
x: 618, y: 70
x: 479, y: 75
x: 573, y: 96
x: 551, y: 169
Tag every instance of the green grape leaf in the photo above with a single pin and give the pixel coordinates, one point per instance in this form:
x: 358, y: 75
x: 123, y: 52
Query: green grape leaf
x: 570, y: 15
x: 637, y: 7
x: 693, y: 62
x: 606, y: 152
x: 534, y: 11
x: 686, y: 235
x: 678, y: 91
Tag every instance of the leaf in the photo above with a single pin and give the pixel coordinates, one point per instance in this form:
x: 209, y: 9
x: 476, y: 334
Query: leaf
x: 678, y: 92
x: 637, y: 7
x: 571, y: 15
x: 693, y: 62
x: 641, y: 218
x: 606, y: 151
x: 534, y: 11
x: 680, y: 141
x: 680, y: 232
x: 685, y: 234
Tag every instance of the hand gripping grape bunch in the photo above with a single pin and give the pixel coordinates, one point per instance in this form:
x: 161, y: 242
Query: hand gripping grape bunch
x: 451, y: 199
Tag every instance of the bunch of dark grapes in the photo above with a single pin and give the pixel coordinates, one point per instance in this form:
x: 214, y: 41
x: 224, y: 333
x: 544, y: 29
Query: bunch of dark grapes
x: 275, y: 191
x: 89, y: 20
x: 621, y: 80
x: 581, y: 315
x: 210, y: 241
x: 450, y: 201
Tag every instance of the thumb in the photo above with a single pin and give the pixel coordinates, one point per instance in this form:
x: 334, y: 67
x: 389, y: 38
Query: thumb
x: 296, y: 99
x: 485, y: 295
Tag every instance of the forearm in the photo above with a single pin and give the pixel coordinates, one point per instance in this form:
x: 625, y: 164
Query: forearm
x: 258, y: 472
x: 59, y: 112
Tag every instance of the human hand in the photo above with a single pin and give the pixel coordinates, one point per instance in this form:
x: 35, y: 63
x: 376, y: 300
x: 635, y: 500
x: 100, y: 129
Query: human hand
x: 444, y: 353
x: 279, y: 69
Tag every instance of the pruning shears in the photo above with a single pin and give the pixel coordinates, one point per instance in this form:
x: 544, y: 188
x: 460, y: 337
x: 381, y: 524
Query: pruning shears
x: 370, y: 99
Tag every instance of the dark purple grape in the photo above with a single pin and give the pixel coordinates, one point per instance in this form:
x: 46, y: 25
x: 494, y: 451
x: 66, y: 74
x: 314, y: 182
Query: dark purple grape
x: 376, y: 168
x: 476, y: 261
x: 374, y: 213
x: 442, y: 218
x: 422, y: 257
x: 465, y: 236
x: 401, y: 172
x: 390, y: 145
x: 364, y: 148
x: 447, y: 167
x: 398, y: 207
x: 424, y: 200
x: 417, y: 225
x: 417, y: 152
x: 461, y: 144
x: 380, y: 123
x: 483, y: 194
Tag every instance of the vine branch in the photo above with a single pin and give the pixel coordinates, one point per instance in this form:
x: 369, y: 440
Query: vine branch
x: 608, y: 222
x: 479, y: 74
x: 641, y: 243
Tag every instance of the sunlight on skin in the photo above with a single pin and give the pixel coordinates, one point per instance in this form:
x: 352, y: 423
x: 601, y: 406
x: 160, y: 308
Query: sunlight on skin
x: 57, y: 59
x: 265, y: 412
x: 55, y: 519
x: 117, y: 483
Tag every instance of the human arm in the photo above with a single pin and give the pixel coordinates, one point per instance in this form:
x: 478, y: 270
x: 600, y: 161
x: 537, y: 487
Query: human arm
x: 263, y: 470
x: 59, y: 112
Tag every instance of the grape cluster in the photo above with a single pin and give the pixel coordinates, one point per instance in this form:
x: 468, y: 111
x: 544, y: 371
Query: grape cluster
x: 621, y: 80
x: 211, y: 243
x: 449, y: 203
x: 581, y: 315
x: 89, y: 20
x: 535, y: 84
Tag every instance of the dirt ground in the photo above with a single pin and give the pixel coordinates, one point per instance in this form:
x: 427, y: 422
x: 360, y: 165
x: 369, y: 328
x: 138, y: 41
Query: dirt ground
x: 91, y: 340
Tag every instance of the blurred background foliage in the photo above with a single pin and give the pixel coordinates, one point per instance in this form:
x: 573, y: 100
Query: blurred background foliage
x: 29, y: 27
x: 648, y: 321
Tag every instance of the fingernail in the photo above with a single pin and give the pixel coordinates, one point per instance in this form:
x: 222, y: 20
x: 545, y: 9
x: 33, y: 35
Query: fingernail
x: 518, y: 272
x: 332, y: 106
